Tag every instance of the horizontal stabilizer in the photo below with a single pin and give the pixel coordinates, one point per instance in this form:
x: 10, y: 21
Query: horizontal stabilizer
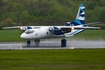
x: 92, y: 23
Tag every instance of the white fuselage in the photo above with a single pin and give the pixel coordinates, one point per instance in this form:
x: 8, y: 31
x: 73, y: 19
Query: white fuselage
x: 39, y: 33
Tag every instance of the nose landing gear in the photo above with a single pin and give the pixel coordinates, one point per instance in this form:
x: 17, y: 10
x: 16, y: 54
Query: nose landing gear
x: 28, y: 43
x: 37, y: 41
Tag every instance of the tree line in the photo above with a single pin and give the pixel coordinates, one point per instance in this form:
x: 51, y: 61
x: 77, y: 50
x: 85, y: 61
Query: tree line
x: 48, y: 12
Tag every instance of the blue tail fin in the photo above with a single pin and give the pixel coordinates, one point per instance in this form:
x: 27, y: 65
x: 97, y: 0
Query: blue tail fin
x: 80, y: 19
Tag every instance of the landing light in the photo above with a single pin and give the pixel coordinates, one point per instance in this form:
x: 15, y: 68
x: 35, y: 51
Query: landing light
x: 72, y: 28
x: 21, y: 28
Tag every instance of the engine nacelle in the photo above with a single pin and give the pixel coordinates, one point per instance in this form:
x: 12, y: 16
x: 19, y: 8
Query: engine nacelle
x: 56, y: 31
x: 25, y: 28
x: 59, y: 31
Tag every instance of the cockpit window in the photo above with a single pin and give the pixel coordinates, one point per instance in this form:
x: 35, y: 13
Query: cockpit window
x: 29, y: 27
x: 29, y: 31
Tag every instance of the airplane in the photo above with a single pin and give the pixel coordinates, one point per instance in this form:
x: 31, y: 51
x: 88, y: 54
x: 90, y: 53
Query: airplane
x: 42, y: 32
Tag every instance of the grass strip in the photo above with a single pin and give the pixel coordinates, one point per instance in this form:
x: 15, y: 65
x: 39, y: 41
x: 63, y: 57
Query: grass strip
x: 77, y: 59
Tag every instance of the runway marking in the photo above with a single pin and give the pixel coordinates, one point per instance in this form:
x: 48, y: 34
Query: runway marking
x: 20, y: 47
x: 72, y: 47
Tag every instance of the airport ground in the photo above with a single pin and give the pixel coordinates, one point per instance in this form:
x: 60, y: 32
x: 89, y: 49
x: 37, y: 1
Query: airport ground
x: 54, y: 59
x: 53, y: 44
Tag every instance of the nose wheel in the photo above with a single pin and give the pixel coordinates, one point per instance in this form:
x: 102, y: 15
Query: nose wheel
x: 28, y: 43
x: 37, y: 41
x: 63, y: 42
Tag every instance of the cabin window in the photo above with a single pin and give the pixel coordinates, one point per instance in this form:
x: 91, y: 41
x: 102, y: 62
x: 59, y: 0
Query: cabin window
x: 47, y: 32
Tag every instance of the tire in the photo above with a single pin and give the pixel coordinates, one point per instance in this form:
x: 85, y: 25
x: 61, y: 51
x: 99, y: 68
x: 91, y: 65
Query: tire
x: 28, y: 43
x: 63, y: 42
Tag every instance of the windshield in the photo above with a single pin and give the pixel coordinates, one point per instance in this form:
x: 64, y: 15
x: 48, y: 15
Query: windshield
x: 29, y: 31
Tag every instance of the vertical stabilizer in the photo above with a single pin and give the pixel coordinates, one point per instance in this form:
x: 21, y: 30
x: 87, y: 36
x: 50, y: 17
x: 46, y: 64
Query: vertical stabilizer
x: 81, y: 13
x: 80, y: 18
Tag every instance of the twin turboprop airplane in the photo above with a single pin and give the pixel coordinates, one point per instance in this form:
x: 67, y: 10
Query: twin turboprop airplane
x: 70, y: 29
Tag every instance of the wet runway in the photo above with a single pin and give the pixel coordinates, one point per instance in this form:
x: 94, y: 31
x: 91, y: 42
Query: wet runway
x: 73, y: 44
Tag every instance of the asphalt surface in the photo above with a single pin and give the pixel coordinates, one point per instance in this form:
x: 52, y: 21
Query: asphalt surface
x: 49, y: 44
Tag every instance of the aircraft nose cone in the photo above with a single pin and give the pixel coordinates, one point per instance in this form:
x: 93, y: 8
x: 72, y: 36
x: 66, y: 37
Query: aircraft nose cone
x: 22, y: 36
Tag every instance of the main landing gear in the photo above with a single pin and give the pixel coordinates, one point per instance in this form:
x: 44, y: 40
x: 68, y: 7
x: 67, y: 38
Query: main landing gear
x: 63, y: 42
x: 37, y: 41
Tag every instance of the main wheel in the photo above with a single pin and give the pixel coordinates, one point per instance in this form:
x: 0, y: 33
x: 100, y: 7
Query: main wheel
x: 63, y: 42
x: 37, y: 41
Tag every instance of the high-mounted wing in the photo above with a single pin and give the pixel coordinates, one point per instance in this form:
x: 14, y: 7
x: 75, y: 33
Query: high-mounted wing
x: 14, y: 27
x: 77, y: 27
x: 22, y: 27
